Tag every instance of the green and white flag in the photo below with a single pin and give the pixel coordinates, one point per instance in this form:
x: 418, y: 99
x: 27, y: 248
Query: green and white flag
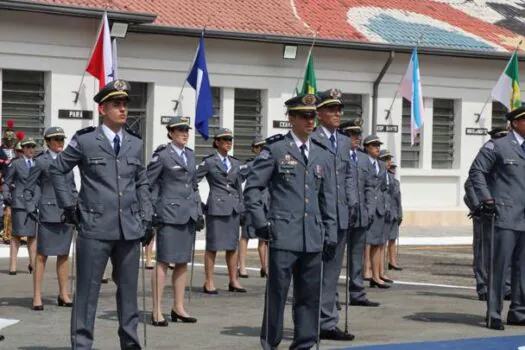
x: 507, y: 89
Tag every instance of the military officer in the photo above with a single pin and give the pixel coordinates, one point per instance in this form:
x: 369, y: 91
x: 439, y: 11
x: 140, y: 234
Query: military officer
x: 499, y: 182
x: 54, y: 237
x: 178, y: 207
x: 13, y: 189
x: 329, y: 109
x: 113, y: 214
x: 223, y: 209
x: 247, y: 230
x: 301, y: 224
x: 480, y: 244
x: 378, y: 212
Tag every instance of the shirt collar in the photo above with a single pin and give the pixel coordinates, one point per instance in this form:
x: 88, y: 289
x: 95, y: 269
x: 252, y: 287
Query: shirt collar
x: 26, y: 159
x: 221, y: 157
x: 518, y: 137
x: 53, y: 155
x: 372, y: 160
x: 110, y: 134
x: 328, y: 133
x: 177, y: 149
x: 299, y: 143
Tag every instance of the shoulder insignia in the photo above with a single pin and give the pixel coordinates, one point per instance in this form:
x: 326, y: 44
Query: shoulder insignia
x: 249, y: 160
x: 318, y: 143
x: 131, y: 132
x: 234, y: 158
x: 274, y: 138
x: 86, y: 130
x: 189, y: 149
x: 160, y: 148
x: 489, y: 145
x: 208, y: 156
x: 265, y: 154
x: 40, y: 154
x: 154, y: 158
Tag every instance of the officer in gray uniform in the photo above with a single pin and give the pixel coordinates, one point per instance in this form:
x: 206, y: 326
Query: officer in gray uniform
x: 480, y: 245
x: 329, y: 111
x: 301, y: 224
x: 378, y: 211
x: 54, y: 236
x: 498, y: 179
x: 396, y: 217
x: 13, y: 189
x: 178, y: 207
x: 247, y: 230
x: 223, y: 209
x: 113, y: 214
x: 365, y: 180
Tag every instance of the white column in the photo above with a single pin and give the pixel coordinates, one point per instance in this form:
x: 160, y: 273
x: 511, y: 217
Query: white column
x: 426, y: 139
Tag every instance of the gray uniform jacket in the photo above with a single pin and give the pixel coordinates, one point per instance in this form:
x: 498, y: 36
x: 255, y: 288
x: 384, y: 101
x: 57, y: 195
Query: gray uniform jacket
x: 225, y: 197
x: 302, y: 207
x: 380, y: 202
x: 175, y: 184
x: 365, y: 182
x: 114, y: 193
x: 245, y: 171
x: 48, y: 210
x: 395, y: 195
x: 470, y: 199
x: 497, y: 173
x: 15, y: 182
x: 345, y: 175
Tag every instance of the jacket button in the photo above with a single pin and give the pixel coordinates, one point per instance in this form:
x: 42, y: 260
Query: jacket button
x: 120, y: 210
x: 186, y: 185
x: 305, y: 214
x: 306, y: 200
x: 120, y: 194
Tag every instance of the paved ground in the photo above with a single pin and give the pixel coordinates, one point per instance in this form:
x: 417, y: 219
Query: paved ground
x: 408, y: 313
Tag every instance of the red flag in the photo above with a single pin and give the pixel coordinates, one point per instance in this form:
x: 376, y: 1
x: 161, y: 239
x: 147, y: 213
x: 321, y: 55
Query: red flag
x: 101, y: 62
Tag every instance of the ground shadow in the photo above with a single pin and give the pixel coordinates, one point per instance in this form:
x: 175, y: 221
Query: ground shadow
x: 43, y: 348
x: 245, y: 331
x: 447, y: 317
x: 448, y: 295
x: 468, y: 274
x: 25, y: 302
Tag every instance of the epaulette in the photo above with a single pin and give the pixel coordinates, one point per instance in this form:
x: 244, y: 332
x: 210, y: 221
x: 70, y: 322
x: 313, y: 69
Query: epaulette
x: 208, y: 156
x: 189, y: 149
x: 233, y: 157
x: 274, y: 138
x: 160, y: 148
x: 86, y: 130
x: 131, y: 132
x: 318, y: 143
x: 249, y: 160
x: 40, y: 154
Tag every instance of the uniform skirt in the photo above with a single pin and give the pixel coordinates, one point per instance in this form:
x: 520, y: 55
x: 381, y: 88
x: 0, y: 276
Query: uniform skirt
x: 248, y: 232
x: 393, y: 232
x: 174, y: 243
x: 222, y: 232
x: 376, y: 233
x: 21, y: 226
x: 54, y: 239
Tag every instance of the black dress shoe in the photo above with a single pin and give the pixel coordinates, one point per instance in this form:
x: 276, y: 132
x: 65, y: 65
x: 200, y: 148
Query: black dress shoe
x: 61, y: 302
x: 149, y: 267
x: 393, y: 267
x: 12, y: 273
x: 37, y: 307
x: 30, y: 268
x: 496, y: 324
x: 338, y: 306
x: 163, y: 323
x: 388, y: 280
x: 242, y: 275
x: 365, y: 302
x: 235, y: 289
x: 482, y: 297
x: 171, y: 267
x: 374, y: 284
x: 175, y: 316
x: 263, y: 273
x: 336, y: 334
x: 206, y: 291
x: 132, y: 346
x: 512, y: 322
x: 105, y: 281
x: 508, y: 296
x: 367, y: 279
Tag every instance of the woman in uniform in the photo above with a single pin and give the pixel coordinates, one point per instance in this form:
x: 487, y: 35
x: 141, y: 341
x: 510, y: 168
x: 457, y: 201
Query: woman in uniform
x: 397, y: 219
x: 223, y: 209
x: 54, y: 237
x: 13, y: 189
x: 178, y: 215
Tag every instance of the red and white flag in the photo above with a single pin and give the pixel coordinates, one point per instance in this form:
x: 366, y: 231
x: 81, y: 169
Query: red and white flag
x: 101, y: 62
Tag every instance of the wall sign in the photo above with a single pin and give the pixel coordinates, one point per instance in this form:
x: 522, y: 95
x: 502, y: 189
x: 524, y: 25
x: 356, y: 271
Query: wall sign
x: 74, y: 114
x: 387, y: 128
x: 282, y: 124
x: 165, y: 119
x: 476, y: 131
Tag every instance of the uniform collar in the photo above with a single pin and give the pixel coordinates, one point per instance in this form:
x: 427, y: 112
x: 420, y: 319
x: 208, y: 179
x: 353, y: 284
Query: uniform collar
x: 53, y: 155
x: 299, y: 143
x: 110, y: 134
x: 177, y: 149
x: 518, y: 137
x: 328, y: 133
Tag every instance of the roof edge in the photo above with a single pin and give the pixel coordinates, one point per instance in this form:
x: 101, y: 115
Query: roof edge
x: 329, y: 43
x: 87, y: 12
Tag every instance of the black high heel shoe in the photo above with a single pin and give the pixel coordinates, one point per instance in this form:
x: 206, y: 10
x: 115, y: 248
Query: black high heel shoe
x: 385, y: 279
x: 393, y: 267
x: 235, y: 289
x: 206, y: 291
x: 62, y: 302
x: 37, y: 307
x: 12, y: 273
x: 163, y: 323
x: 374, y: 284
x: 175, y: 316
x: 30, y: 268
x: 242, y: 275
x: 263, y: 273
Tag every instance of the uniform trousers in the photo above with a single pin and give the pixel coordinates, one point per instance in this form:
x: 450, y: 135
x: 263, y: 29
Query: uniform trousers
x: 92, y: 257
x: 305, y: 269
x: 509, y: 250
x: 356, y: 251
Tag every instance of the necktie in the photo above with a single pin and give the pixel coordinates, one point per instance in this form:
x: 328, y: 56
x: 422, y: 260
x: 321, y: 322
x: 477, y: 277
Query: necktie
x: 376, y: 167
x: 116, y: 144
x: 183, y: 156
x: 523, y: 146
x: 225, y: 164
x: 354, y: 157
x: 29, y: 163
x: 332, y: 140
x: 303, y: 152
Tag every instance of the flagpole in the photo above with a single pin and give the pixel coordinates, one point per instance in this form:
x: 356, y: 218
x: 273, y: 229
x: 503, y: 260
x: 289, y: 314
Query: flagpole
x: 478, y: 115
x: 307, y: 60
x: 77, y: 92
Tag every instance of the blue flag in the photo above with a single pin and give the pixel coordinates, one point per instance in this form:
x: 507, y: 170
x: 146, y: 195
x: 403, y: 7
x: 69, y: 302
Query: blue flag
x: 199, y: 80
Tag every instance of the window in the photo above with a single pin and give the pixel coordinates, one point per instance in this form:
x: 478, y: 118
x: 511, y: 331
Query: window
x: 443, y: 134
x: 498, y: 115
x: 202, y: 147
x: 246, y: 122
x: 409, y: 153
x: 353, y: 107
x: 138, y: 96
x: 23, y: 102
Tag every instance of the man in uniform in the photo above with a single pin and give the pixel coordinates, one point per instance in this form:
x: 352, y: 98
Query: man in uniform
x: 301, y: 225
x: 357, y: 235
x: 499, y: 182
x: 329, y: 111
x: 113, y: 214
